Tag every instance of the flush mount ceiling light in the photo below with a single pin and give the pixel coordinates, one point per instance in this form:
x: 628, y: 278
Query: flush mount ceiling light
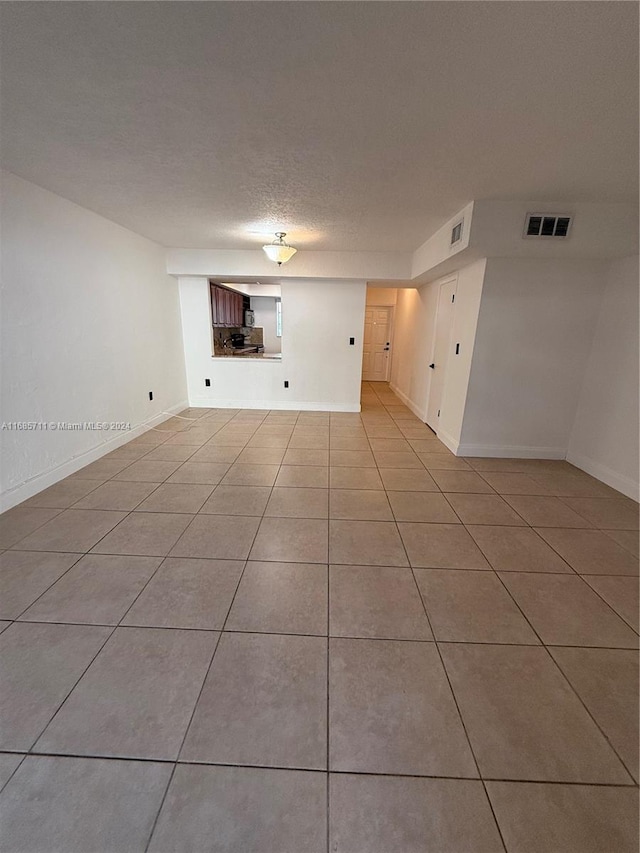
x: 279, y: 251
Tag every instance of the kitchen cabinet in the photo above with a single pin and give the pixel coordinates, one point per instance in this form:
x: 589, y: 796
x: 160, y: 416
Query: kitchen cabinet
x: 227, y: 307
x: 214, y: 304
x: 236, y: 309
x: 227, y: 318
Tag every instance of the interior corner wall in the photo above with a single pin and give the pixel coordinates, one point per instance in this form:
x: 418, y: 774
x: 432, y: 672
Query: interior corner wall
x: 604, y: 436
x: 469, y: 293
x: 415, y: 318
x: 90, y: 324
x: 412, y: 341
x: 322, y: 368
x: 535, y: 329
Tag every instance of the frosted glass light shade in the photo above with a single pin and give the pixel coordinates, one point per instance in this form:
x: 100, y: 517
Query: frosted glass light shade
x: 279, y: 253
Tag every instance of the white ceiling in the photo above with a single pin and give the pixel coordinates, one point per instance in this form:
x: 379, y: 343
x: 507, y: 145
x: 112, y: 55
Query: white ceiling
x: 360, y: 126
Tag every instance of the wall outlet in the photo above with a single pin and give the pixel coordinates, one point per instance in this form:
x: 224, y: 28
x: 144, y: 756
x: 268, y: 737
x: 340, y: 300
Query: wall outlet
x: 352, y: 342
x: 286, y: 383
x: 151, y: 395
x: 207, y: 382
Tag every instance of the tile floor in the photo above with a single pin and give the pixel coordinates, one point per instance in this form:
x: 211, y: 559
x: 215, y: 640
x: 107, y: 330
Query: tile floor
x: 280, y: 632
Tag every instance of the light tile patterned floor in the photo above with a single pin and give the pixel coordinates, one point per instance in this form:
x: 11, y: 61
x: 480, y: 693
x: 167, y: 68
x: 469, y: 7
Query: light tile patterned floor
x: 281, y: 632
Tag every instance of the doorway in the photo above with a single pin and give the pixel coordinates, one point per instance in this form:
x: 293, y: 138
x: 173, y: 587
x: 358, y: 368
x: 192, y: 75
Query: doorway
x: 376, y: 348
x: 441, y: 350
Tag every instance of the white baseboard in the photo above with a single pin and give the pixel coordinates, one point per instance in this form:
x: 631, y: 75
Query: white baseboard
x: 620, y: 482
x: 408, y: 402
x: 34, y: 485
x: 449, y: 441
x: 282, y: 405
x: 511, y: 451
x: 626, y: 485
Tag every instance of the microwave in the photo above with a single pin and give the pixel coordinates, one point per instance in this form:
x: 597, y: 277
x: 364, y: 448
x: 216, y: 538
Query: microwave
x: 249, y: 318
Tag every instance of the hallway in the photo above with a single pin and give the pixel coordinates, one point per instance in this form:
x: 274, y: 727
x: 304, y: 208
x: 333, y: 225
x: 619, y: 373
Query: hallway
x: 280, y: 632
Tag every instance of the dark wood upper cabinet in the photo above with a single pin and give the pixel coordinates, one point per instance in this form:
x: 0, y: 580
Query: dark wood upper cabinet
x: 226, y: 311
x: 237, y: 309
x: 214, y: 305
x: 227, y: 307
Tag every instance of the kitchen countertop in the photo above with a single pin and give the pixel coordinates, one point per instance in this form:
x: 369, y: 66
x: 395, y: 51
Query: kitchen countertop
x: 262, y: 356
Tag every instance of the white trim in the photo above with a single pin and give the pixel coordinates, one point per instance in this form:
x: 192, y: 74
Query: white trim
x: 33, y: 486
x: 449, y: 441
x: 607, y: 475
x: 391, y: 309
x: 408, y: 402
x: 280, y: 405
x: 440, y: 283
x: 510, y: 451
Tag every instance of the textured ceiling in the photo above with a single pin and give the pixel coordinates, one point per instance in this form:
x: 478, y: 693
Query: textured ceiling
x: 359, y: 126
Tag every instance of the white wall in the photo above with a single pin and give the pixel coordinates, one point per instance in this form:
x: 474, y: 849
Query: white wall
x: 90, y: 325
x: 309, y: 264
x: 437, y: 253
x: 323, y: 370
x: 604, y: 437
x: 412, y: 343
x: 535, y: 328
x: 494, y: 229
x: 469, y: 293
x: 598, y: 230
x: 264, y: 308
x: 413, y: 347
x: 548, y: 363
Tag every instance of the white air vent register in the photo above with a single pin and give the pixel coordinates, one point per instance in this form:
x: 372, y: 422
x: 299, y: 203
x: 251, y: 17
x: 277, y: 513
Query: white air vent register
x: 456, y: 233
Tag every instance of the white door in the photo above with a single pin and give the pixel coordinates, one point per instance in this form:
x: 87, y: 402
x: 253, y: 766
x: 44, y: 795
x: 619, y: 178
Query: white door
x: 377, y: 344
x: 441, y: 350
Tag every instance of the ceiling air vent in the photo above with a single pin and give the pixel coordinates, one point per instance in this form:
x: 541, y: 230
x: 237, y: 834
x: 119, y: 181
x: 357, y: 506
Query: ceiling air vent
x: 456, y: 233
x: 547, y: 225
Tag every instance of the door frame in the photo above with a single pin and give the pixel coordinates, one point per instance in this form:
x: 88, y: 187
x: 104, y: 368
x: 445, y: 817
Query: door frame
x: 439, y: 283
x: 391, y: 309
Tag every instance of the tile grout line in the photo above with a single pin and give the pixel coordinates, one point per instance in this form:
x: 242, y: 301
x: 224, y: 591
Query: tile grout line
x: 18, y: 618
x: 557, y: 666
x: 91, y: 662
x: 328, y: 707
x: 35, y: 529
x: 193, y: 711
x: 204, y: 680
x: 596, y: 723
x: 542, y: 643
x: 316, y: 636
x: 307, y: 769
x: 555, y: 663
x: 455, y: 700
x: 102, y: 646
x: 610, y: 606
x: 81, y: 555
x: 15, y: 769
x: 186, y: 731
x: 165, y: 557
x: 70, y: 691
